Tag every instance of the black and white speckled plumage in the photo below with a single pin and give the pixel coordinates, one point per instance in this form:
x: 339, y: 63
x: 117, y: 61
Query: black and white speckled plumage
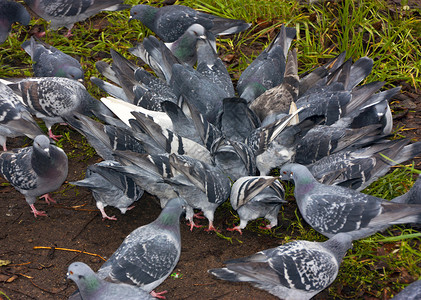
x: 51, y: 62
x: 148, y: 254
x: 257, y: 196
x: 296, y: 270
x: 170, y: 22
x: 67, y: 12
x: 15, y: 119
x: 109, y: 187
x: 91, y: 287
x: 11, y: 12
x: 334, y: 209
x: 35, y: 170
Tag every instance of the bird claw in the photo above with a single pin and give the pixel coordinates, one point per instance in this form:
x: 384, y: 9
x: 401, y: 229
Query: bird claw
x: 267, y: 227
x: 158, y: 295
x: 212, y: 228
x: 48, y: 199
x: 37, y: 212
x: 53, y: 136
x: 235, y: 228
x: 199, y: 215
x: 113, y: 218
x: 193, y: 225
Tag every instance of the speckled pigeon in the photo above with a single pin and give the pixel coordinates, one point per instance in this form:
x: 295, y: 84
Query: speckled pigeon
x: 11, y: 12
x: 56, y: 98
x: 296, y: 270
x: 334, y: 209
x: 149, y: 253
x: 91, y: 287
x: 110, y: 188
x: 257, y: 196
x: 51, y: 62
x: 170, y: 22
x: 65, y: 13
x: 15, y: 119
x: 35, y: 171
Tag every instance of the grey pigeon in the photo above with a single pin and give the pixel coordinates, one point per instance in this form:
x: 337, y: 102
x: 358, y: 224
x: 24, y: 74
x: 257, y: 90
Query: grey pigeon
x: 65, y: 13
x: 267, y: 70
x: 257, y: 196
x: 411, y: 292
x: 35, y: 171
x: 110, y: 187
x: 334, y: 209
x: 11, y: 12
x: 296, y: 270
x: 15, y: 119
x: 51, y: 62
x: 413, y: 196
x: 91, y: 287
x: 170, y: 22
x: 55, y: 98
x: 149, y: 253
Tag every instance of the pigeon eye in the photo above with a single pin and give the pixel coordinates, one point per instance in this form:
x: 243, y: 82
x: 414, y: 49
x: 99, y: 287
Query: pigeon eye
x: 71, y: 272
x: 284, y: 172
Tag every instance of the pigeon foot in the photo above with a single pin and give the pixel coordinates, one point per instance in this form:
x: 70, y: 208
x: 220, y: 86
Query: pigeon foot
x: 158, y: 295
x: 37, y: 212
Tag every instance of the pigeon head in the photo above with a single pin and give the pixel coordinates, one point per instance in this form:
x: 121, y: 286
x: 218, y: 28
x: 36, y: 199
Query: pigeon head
x: 172, y: 211
x: 42, y: 145
x: 197, y: 31
x: 83, y: 276
x: 144, y: 13
x: 70, y: 72
x: 294, y: 172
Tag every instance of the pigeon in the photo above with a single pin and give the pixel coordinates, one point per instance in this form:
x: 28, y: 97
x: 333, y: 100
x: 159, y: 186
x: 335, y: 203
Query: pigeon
x: 110, y: 187
x: 334, y: 209
x: 51, y: 62
x: 54, y: 99
x: 358, y: 168
x: 411, y: 292
x: 65, y: 13
x: 267, y: 70
x: 91, y: 287
x: 257, y: 196
x: 35, y: 171
x: 184, y: 48
x: 11, y: 12
x: 15, y: 119
x: 170, y: 22
x: 296, y: 270
x: 149, y: 253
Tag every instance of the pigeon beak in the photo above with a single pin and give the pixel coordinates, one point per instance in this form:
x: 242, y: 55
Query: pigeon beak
x: 131, y: 19
x: 47, y: 152
x: 80, y: 80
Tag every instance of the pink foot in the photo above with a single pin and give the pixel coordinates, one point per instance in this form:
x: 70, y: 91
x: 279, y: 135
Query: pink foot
x: 48, y: 199
x: 131, y: 207
x: 4, y: 147
x: 199, y: 215
x: 211, y: 227
x: 113, y: 218
x: 235, y: 228
x: 68, y: 33
x: 158, y: 295
x: 104, y: 214
x: 193, y: 225
x: 53, y: 136
x: 37, y: 212
x: 267, y: 227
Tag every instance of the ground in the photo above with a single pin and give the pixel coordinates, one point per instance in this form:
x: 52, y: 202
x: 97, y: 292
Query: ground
x: 75, y: 224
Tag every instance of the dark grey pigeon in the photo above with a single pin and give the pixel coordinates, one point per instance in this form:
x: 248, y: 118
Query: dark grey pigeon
x: 257, y: 196
x: 334, y: 209
x: 110, y: 188
x: 91, y: 287
x: 65, y: 13
x: 279, y: 98
x: 170, y: 22
x: 149, y: 253
x: 210, y: 65
x: 51, y: 62
x: 296, y: 270
x: 267, y: 70
x: 35, y: 171
x: 54, y: 99
x: 411, y: 292
x: 15, y: 119
x: 11, y: 12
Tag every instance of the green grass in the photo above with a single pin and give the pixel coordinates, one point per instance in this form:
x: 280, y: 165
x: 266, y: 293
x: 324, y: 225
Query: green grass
x: 390, y: 36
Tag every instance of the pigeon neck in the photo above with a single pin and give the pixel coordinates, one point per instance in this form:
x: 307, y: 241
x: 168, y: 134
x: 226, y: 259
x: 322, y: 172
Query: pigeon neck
x: 304, y: 184
x: 90, y: 284
x: 169, y: 217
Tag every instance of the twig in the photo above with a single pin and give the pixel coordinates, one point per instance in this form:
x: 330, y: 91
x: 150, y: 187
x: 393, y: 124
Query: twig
x: 83, y: 228
x: 70, y: 250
